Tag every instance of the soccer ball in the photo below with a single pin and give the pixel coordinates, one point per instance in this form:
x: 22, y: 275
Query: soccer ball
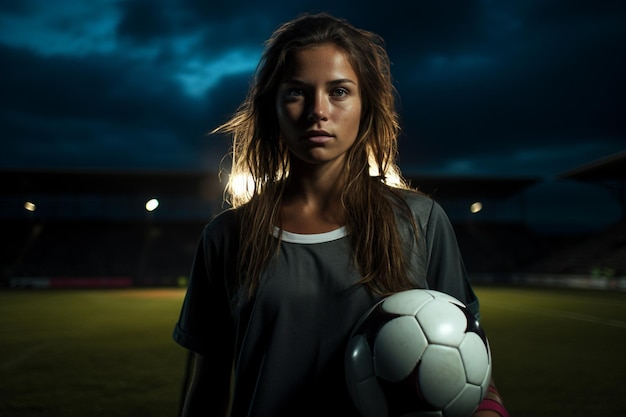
x: 418, y: 353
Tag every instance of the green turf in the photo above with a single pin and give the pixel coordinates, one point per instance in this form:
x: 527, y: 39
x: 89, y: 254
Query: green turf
x: 110, y: 353
x: 557, y: 352
x: 89, y: 353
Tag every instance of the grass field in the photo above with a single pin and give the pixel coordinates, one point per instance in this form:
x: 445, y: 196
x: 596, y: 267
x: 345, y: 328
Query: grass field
x: 558, y: 352
x: 89, y: 353
x: 110, y: 353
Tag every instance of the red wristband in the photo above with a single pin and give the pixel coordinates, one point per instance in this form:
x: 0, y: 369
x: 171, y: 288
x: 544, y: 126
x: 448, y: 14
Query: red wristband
x: 492, y: 405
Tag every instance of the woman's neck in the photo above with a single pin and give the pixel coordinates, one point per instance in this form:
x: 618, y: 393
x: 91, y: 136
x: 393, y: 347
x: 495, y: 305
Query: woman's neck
x: 312, y: 202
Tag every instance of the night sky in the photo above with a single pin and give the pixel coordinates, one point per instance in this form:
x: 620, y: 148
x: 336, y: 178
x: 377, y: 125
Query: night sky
x: 501, y: 88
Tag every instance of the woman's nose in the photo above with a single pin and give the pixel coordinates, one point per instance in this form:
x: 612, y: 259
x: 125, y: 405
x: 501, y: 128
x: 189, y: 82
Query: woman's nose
x: 318, y: 109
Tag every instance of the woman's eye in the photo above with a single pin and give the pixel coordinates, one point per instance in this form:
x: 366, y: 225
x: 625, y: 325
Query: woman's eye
x: 339, y: 92
x: 294, y: 93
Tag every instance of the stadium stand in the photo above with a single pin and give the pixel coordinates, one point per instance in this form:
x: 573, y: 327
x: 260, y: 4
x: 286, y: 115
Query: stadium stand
x: 154, y: 254
x: 600, y: 254
x: 91, y: 228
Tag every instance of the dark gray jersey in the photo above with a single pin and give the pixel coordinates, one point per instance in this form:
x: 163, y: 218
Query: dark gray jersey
x: 287, y: 343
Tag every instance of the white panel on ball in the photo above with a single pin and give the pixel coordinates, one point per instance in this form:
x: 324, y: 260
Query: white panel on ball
x: 466, y: 400
x: 407, y: 303
x: 475, y: 358
x: 399, y: 346
x: 449, y: 332
x: 441, y: 374
x: 445, y: 297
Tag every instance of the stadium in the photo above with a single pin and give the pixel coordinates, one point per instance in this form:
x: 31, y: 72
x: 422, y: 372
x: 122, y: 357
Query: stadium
x: 84, y: 229
x: 509, y: 116
x: 94, y: 266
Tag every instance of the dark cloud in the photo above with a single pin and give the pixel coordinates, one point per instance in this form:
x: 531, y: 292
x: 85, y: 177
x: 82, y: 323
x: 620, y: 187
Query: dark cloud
x: 96, y: 112
x: 217, y: 26
x: 531, y: 84
x: 142, y: 22
x: 16, y: 7
x: 501, y: 88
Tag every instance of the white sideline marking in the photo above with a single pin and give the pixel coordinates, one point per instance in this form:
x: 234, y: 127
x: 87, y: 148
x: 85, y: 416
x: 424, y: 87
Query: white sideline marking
x: 584, y: 317
x: 565, y: 314
x: 22, y: 356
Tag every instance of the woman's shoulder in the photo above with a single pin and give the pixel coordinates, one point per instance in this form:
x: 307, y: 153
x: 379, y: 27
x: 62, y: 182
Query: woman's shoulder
x: 424, y: 208
x: 415, y: 199
x: 223, y: 222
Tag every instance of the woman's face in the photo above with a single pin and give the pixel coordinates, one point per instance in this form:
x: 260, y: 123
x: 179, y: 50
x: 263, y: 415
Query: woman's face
x: 319, y: 105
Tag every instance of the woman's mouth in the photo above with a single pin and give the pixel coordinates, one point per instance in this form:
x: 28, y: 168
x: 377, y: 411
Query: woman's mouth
x: 318, y: 136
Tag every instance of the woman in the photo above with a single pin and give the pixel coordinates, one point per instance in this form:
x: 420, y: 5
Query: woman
x: 279, y: 281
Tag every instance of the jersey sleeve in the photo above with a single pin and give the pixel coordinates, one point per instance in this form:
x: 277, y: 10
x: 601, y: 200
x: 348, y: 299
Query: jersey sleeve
x: 205, y: 325
x: 445, y: 268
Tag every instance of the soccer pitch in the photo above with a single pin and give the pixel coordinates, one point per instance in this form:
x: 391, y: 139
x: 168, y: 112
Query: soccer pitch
x: 110, y: 353
x: 557, y: 352
x: 89, y: 353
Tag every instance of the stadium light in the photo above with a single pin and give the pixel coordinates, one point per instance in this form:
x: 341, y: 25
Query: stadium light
x: 30, y: 206
x: 152, y: 204
x: 476, y: 207
x: 241, y: 186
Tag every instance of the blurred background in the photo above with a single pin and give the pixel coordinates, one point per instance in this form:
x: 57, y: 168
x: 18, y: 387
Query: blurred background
x: 512, y: 117
x: 83, y: 229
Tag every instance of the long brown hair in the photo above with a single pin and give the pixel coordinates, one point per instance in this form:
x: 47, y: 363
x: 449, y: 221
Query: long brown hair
x: 260, y: 155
